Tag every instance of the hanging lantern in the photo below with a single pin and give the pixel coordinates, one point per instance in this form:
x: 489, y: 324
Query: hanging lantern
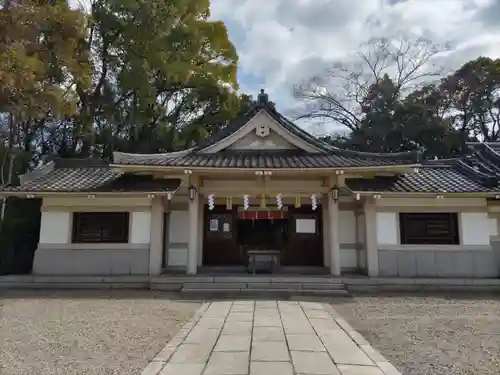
x: 211, y: 201
x: 262, y: 201
x: 314, y: 202
x: 279, y: 201
x: 297, y: 202
x: 246, y: 203
x: 229, y: 203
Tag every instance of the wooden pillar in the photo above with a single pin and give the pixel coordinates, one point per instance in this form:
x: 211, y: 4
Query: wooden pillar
x: 201, y: 229
x: 334, y: 233
x: 326, y: 230
x: 371, y: 238
x: 193, y: 230
x: 156, y: 236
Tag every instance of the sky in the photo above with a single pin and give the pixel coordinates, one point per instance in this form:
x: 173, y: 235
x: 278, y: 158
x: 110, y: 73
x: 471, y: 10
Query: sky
x: 283, y: 42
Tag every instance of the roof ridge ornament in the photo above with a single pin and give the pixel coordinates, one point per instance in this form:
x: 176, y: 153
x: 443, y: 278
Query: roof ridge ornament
x: 263, y: 98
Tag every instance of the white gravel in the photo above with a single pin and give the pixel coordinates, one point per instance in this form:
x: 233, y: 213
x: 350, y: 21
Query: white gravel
x: 86, y: 332
x: 457, y: 335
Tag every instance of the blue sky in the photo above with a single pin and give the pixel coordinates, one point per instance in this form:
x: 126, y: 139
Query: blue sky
x: 282, y: 42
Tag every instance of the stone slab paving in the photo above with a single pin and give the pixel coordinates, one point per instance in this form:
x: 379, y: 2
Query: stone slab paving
x: 268, y: 337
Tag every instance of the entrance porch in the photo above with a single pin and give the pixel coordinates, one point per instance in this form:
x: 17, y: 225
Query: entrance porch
x: 306, y: 239
x: 292, y: 235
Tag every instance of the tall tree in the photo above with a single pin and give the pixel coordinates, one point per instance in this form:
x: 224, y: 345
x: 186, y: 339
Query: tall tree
x: 159, y: 66
x: 470, y: 98
x: 41, y: 62
x: 139, y: 76
x: 338, y: 93
x: 396, y: 125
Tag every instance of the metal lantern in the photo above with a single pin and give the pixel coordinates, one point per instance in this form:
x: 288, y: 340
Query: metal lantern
x: 335, y: 193
x: 192, y: 192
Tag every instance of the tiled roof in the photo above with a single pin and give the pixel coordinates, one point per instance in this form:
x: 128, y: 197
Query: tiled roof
x: 239, y: 122
x: 429, y: 179
x: 326, y: 156
x: 269, y: 159
x: 477, y: 172
x: 73, y: 175
x: 483, y: 164
x: 89, y: 175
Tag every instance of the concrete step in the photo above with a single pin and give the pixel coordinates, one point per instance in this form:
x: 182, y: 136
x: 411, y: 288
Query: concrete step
x: 262, y: 285
x: 221, y: 285
x: 327, y: 292
x: 245, y: 291
x: 321, y: 286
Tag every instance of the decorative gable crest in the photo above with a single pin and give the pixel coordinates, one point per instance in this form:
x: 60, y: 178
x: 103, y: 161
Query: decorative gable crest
x: 262, y: 130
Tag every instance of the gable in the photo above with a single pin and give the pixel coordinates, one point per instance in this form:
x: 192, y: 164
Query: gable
x: 252, y: 141
x: 261, y: 131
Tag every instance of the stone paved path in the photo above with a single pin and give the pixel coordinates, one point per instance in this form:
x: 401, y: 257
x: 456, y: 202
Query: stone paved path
x: 268, y: 337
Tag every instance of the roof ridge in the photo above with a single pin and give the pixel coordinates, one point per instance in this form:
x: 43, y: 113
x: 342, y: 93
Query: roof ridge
x: 61, y: 162
x: 119, y: 156
x: 386, y: 155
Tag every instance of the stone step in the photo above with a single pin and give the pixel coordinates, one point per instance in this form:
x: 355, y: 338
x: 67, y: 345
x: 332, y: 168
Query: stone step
x: 283, y: 286
x: 245, y: 291
x: 320, y: 286
x: 327, y: 292
x: 262, y: 285
x: 195, y: 285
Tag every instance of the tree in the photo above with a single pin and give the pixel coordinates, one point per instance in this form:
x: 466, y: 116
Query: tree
x: 40, y: 65
x: 159, y: 66
x: 470, y: 99
x: 138, y: 76
x: 398, y: 125
x: 337, y: 94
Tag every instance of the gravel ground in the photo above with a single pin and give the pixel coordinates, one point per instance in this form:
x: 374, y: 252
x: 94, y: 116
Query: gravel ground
x: 86, y: 332
x: 430, y: 335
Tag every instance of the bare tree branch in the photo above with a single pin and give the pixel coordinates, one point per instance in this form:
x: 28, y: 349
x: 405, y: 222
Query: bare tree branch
x: 336, y: 94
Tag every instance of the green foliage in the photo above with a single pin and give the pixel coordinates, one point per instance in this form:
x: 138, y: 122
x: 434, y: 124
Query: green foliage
x: 40, y: 60
x: 134, y: 75
x: 374, y: 100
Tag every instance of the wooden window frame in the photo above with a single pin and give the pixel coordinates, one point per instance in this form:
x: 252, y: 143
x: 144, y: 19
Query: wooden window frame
x: 116, y: 223
x: 422, y: 223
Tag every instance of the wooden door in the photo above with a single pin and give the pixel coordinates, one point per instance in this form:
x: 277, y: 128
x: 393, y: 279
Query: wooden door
x: 304, y: 237
x: 220, y: 237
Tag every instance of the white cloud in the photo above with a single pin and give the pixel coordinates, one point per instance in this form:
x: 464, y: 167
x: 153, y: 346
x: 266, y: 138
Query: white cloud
x: 282, y: 41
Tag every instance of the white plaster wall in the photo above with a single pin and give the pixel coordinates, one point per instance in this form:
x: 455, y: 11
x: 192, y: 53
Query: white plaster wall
x: 348, y: 258
x: 387, y: 228
x: 140, y: 227
x: 477, y: 228
x: 178, y: 238
x: 56, y: 255
x: 55, y: 227
x: 347, y: 227
x: 347, y: 236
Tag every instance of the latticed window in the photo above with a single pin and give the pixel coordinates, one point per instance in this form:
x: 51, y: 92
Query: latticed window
x: 429, y: 228
x: 100, y: 227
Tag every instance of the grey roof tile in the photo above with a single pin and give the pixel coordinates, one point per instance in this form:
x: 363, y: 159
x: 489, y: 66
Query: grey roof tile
x: 327, y: 155
x: 90, y: 175
x: 429, y: 179
x: 271, y: 159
